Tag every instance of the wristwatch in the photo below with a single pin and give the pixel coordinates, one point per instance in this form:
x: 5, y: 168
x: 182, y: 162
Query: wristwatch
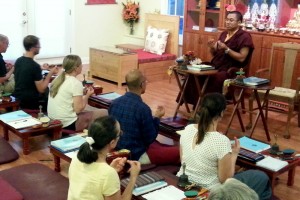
x: 227, y: 51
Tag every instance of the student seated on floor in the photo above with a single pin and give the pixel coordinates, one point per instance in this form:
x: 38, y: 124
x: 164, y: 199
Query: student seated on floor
x: 67, y: 102
x: 139, y: 127
x: 209, y: 157
x: 90, y: 176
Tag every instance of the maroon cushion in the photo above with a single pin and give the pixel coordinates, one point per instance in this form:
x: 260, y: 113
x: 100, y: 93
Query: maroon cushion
x: 37, y: 181
x: 146, y: 57
x: 7, y: 153
x: 8, y: 192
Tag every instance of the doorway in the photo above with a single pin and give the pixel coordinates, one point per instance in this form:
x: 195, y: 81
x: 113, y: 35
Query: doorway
x: 50, y: 20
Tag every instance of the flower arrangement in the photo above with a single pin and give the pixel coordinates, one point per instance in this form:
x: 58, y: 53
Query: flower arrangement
x: 188, y: 57
x: 131, y: 13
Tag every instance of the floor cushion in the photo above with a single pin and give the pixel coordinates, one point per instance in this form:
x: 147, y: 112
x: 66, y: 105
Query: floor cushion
x: 36, y: 182
x: 8, y: 192
x: 7, y: 153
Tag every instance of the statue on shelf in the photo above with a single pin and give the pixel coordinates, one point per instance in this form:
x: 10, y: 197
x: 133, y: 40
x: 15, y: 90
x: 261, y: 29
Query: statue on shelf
x: 272, y: 15
x: 295, y: 22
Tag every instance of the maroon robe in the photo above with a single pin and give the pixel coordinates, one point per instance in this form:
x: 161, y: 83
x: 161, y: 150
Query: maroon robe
x: 222, y: 62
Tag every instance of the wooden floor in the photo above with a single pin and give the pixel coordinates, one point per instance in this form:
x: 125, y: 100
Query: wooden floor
x: 164, y: 93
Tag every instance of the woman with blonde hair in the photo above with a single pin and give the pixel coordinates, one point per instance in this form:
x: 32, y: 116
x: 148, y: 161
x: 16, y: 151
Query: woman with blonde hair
x: 67, y: 101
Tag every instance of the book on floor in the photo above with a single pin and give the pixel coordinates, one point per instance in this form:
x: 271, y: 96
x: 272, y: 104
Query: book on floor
x: 146, y: 182
x: 271, y: 163
x: 253, y: 145
x: 68, y: 144
x: 255, y: 81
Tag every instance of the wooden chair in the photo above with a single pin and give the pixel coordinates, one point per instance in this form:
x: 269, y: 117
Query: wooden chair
x: 286, y: 94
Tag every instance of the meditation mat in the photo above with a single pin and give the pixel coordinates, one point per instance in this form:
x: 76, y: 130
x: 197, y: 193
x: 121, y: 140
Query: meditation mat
x: 7, y: 153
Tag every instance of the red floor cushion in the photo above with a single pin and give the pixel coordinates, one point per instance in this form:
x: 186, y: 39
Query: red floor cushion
x: 36, y: 182
x: 7, y: 153
x: 8, y: 192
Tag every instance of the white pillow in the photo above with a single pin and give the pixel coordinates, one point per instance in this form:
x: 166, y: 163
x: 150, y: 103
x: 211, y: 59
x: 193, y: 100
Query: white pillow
x: 156, y: 40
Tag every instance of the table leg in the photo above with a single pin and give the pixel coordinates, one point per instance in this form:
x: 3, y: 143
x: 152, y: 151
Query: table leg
x: 261, y: 114
x: 25, y: 145
x: 56, y: 163
x: 235, y: 109
x: 200, y: 93
x: 57, y: 133
x: 182, y: 91
x: 291, y: 176
x: 5, y: 132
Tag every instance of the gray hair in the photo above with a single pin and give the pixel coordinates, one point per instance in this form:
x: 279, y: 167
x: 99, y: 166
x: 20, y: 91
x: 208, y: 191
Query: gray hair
x: 232, y: 189
x: 3, y: 38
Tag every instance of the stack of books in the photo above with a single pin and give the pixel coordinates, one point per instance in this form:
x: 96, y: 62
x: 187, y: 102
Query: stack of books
x: 254, y: 81
x: 146, y: 182
x: 250, y: 149
x: 201, y: 67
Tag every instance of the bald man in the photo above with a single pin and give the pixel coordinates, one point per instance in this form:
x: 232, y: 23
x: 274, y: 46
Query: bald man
x: 139, y: 127
x: 7, y: 82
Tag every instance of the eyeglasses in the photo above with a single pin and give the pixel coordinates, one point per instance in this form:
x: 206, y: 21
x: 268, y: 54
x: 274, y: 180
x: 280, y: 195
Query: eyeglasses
x: 120, y: 133
x: 38, y: 47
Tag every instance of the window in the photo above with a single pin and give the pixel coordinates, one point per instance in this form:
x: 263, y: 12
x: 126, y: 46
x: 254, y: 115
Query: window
x: 176, y: 7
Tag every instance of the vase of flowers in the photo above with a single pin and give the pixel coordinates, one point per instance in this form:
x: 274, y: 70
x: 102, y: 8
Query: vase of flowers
x: 131, y: 14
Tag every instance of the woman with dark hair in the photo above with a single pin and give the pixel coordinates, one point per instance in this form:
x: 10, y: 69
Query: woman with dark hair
x: 90, y: 176
x: 208, y: 155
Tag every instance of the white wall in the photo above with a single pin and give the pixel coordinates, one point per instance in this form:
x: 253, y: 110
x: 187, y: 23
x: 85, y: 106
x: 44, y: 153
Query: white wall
x: 102, y: 25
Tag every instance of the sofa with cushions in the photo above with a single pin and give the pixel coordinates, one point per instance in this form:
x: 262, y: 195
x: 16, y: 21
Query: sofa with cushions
x: 161, y: 46
x: 32, y: 182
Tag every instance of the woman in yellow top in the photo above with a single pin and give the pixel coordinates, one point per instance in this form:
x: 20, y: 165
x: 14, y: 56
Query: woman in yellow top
x: 90, y: 177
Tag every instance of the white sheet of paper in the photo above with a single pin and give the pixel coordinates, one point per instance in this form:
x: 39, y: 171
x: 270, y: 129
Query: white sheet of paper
x: 167, y: 193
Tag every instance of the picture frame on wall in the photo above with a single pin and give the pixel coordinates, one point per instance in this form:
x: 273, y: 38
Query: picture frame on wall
x: 95, y: 2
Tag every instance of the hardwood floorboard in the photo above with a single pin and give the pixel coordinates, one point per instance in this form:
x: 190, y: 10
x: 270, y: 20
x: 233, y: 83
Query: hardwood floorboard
x: 164, y: 93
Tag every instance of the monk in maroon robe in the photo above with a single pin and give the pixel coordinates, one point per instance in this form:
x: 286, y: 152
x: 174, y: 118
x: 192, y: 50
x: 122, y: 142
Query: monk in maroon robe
x: 233, y: 49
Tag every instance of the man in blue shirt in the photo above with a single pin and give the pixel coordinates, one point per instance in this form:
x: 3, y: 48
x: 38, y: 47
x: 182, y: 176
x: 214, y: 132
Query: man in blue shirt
x: 139, y: 127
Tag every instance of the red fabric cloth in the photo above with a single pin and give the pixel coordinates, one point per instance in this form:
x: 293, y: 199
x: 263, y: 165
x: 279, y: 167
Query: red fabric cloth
x: 8, y: 192
x: 146, y: 57
x: 162, y: 154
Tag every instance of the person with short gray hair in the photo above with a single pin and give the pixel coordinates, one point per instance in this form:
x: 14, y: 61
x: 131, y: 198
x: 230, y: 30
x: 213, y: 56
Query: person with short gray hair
x: 232, y: 189
x: 7, y: 82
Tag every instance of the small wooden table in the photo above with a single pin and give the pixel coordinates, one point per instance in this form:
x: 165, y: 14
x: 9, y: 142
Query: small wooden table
x: 25, y: 133
x: 182, y: 86
x: 290, y: 168
x: 14, y: 104
x: 237, y: 102
x: 98, y: 102
x: 170, y: 178
x: 57, y: 155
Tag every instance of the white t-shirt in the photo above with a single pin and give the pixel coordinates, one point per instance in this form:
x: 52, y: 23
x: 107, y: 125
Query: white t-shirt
x: 92, y: 181
x: 61, y: 106
x: 202, y: 161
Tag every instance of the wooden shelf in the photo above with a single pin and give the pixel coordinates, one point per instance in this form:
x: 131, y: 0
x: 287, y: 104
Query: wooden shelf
x: 213, y: 11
